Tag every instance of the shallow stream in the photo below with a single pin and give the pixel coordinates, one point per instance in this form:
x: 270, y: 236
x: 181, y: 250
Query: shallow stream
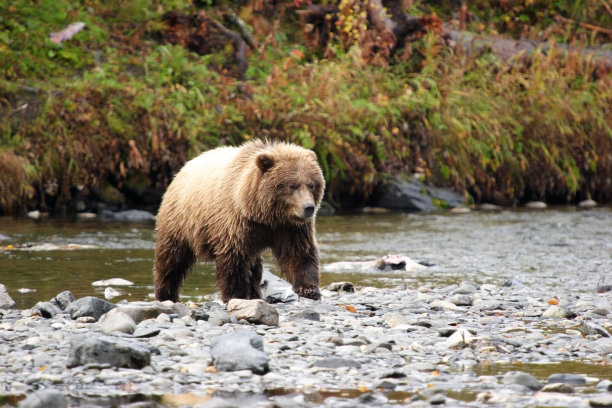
x: 565, y: 249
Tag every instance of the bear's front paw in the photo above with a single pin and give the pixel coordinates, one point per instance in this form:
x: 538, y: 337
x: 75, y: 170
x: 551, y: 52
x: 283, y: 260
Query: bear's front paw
x: 310, y: 293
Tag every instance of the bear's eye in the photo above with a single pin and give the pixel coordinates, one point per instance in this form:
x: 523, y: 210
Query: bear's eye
x: 311, y: 186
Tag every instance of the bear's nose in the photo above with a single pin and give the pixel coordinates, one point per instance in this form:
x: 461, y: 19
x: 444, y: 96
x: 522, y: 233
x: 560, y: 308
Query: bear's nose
x: 309, y: 210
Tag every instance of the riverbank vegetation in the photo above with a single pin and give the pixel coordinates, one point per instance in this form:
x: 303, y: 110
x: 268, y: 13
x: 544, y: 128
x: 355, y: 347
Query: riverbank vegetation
x: 111, y: 113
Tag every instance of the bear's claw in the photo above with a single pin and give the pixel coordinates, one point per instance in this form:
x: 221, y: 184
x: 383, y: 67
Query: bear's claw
x: 310, y: 293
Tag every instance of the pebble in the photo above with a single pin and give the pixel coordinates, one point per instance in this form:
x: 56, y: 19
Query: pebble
x: 373, y: 347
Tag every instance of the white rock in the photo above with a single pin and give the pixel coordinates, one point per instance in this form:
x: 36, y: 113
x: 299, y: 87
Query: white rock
x: 458, y: 338
x: 255, y: 311
x: 113, y: 282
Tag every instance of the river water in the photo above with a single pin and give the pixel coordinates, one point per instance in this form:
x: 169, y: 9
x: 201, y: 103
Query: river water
x: 565, y: 249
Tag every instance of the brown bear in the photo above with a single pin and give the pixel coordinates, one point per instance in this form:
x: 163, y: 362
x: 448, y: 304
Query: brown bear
x: 229, y: 205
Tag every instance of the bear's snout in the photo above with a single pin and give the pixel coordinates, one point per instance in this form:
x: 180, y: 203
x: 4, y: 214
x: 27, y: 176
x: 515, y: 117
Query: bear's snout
x: 309, y: 210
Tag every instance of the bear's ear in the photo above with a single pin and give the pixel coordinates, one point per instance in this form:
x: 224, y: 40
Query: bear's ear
x: 265, y: 161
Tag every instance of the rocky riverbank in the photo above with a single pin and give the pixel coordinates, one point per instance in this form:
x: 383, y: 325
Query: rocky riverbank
x: 461, y: 345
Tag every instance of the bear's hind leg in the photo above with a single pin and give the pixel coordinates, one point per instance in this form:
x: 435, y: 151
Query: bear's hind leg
x: 233, y: 276
x: 255, y: 282
x: 173, y: 260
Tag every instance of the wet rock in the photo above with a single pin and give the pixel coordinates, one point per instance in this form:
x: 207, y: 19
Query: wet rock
x: 605, y: 385
x: 276, y: 290
x: 117, y: 322
x: 254, y: 311
x: 6, y: 302
x: 62, y: 300
x: 140, y: 311
x: 336, y: 362
x: 341, y: 287
x: 110, y: 293
x: 44, y: 399
x: 593, y: 329
x: 106, y: 350
x: 113, y: 282
x: 587, y: 204
x: 559, y: 387
x: 558, y: 312
x: 572, y: 379
x: 536, y: 205
x: 128, y: 216
x: 35, y: 214
x: 46, y: 309
x: 89, y: 306
x: 521, y: 378
x: 433, y: 396
x: 601, y: 401
x: 413, y: 195
x: 239, y: 350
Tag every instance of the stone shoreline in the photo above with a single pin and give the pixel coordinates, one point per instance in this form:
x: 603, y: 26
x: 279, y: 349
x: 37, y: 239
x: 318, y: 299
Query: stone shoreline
x: 464, y: 345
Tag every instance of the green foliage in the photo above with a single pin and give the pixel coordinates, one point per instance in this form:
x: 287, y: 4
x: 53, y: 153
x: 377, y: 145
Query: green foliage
x: 113, y: 103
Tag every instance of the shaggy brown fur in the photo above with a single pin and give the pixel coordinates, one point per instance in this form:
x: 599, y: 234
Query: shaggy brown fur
x: 229, y: 205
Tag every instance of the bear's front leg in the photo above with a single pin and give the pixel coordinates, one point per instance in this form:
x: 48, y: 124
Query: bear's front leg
x: 307, y: 282
x: 301, y: 269
x: 237, y: 277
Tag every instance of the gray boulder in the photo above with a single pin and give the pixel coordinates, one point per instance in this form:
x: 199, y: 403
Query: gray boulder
x: 413, y: 195
x: 117, y: 322
x: 89, y: 306
x: 276, y: 290
x: 239, y: 350
x: 128, y: 216
x: 254, y: 311
x: 521, y: 378
x: 46, y: 309
x: 62, y: 300
x: 106, y: 350
x: 44, y: 399
x: 567, y: 378
x: 6, y: 301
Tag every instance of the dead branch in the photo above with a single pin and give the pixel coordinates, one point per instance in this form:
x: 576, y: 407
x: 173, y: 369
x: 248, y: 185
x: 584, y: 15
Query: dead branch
x: 204, y: 35
x: 584, y: 25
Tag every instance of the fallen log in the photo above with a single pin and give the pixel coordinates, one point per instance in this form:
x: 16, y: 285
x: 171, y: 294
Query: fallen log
x: 319, y: 22
x: 507, y: 48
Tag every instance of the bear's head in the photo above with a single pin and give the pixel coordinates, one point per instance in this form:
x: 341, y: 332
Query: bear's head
x: 289, y: 185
